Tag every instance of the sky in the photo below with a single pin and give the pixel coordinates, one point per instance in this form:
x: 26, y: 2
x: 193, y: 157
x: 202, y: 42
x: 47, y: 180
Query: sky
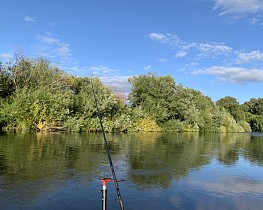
x: 213, y: 46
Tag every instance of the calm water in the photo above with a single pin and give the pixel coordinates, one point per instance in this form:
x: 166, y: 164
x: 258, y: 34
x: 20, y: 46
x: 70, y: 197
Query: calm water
x: 162, y: 171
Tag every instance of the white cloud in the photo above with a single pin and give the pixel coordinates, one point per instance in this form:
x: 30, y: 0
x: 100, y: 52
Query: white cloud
x: 205, y: 49
x: 213, y: 49
x: 249, y: 57
x: 119, y: 84
x: 98, y: 71
x: 146, y: 68
x: 29, y: 19
x: 63, y: 50
x: 233, y: 74
x: 238, y: 6
x: 180, y: 54
x: 159, y: 37
x: 52, y: 47
x: 171, y: 40
x: 48, y: 39
x: 190, y: 67
x: 110, y: 77
x: 6, y: 57
x: 162, y: 60
x: 101, y: 70
x: 221, y: 52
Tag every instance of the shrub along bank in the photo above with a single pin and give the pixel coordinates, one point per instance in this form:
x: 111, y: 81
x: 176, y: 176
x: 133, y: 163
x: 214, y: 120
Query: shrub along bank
x: 35, y: 95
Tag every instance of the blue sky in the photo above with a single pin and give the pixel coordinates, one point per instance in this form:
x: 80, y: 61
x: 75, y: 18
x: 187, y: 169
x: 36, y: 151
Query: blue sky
x: 214, y: 46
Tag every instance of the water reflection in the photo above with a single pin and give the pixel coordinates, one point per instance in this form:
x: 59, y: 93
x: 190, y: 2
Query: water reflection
x: 182, y: 170
x: 169, y: 156
x: 164, y: 157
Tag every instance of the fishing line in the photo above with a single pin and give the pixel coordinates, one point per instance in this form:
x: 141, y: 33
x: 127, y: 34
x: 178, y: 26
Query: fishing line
x: 107, y: 149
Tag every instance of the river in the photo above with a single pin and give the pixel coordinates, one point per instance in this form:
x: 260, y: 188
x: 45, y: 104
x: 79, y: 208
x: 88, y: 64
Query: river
x: 161, y: 171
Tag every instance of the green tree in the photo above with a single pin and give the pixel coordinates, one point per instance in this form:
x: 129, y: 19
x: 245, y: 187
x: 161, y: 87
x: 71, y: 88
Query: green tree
x: 231, y: 105
x: 6, y: 85
x: 254, y: 113
x: 154, y: 94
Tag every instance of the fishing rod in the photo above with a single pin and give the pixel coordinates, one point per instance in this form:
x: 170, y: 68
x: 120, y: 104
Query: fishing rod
x: 105, y: 180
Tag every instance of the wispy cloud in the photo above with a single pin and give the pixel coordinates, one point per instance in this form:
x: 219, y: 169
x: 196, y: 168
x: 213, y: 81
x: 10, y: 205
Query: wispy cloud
x: 238, y: 6
x: 233, y: 74
x: 162, y: 60
x: 163, y: 38
x: 180, y: 54
x: 240, y: 64
x: 204, y: 50
x: 6, y: 57
x: 146, y: 68
x: 256, y: 21
x: 109, y: 76
x: 99, y: 71
x: 118, y: 84
x: 190, y: 67
x: 213, y: 49
x: 29, y: 19
x: 52, y: 47
x: 246, y: 57
x: 171, y: 40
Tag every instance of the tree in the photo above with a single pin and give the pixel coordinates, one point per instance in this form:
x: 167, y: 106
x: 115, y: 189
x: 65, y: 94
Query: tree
x: 231, y: 105
x: 254, y: 110
x: 154, y: 94
x: 6, y: 85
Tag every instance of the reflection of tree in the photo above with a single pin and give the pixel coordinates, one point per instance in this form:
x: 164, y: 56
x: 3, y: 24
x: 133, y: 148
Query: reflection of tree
x: 226, y: 146
x: 3, y: 166
x: 156, y: 159
x: 36, y: 163
x: 160, y: 158
x: 153, y: 159
x: 229, y: 158
x: 254, y: 150
x: 232, y: 145
x: 38, y: 155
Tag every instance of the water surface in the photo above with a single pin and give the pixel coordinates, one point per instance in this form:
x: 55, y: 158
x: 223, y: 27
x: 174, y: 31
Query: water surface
x: 162, y: 171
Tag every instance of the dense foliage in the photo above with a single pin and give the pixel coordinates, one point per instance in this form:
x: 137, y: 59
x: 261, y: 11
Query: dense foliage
x: 36, y: 95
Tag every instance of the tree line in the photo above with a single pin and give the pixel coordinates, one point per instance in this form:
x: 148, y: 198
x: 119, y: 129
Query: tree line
x: 36, y: 95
